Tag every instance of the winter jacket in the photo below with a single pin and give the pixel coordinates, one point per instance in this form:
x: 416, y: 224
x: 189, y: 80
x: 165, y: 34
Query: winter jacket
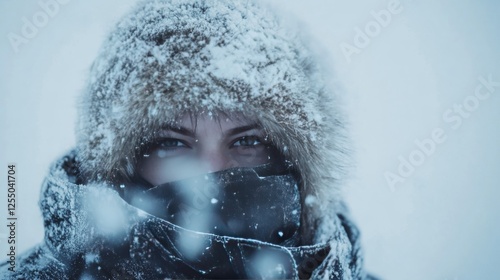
x: 220, y: 58
x: 92, y: 233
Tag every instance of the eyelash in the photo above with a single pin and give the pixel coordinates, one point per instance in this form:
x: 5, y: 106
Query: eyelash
x: 161, y: 144
x: 255, y: 138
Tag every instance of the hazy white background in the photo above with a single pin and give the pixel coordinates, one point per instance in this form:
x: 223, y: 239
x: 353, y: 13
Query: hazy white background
x: 442, y: 223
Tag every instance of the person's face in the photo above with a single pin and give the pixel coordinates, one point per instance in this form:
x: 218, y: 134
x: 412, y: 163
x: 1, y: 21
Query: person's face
x: 207, y: 145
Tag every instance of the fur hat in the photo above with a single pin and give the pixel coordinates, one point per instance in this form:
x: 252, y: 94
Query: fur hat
x: 169, y: 57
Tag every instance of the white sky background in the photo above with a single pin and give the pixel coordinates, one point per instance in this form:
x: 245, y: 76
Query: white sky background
x: 441, y: 223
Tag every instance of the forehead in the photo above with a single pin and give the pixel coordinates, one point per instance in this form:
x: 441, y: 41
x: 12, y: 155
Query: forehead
x: 207, y: 122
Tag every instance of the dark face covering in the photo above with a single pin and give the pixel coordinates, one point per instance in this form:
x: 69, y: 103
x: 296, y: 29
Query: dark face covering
x: 260, y: 203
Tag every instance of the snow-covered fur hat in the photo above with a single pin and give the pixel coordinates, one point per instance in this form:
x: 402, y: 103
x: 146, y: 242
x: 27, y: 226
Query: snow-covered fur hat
x: 169, y: 57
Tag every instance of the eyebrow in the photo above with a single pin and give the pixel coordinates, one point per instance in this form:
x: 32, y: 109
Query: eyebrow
x: 190, y: 133
x: 181, y: 130
x: 240, y: 129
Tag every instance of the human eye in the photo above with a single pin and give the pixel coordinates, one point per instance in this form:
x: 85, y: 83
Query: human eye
x: 170, y: 143
x: 247, y: 141
x: 166, y: 147
x: 251, y: 150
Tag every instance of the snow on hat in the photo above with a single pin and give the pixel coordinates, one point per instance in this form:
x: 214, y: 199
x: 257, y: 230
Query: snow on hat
x: 169, y: 57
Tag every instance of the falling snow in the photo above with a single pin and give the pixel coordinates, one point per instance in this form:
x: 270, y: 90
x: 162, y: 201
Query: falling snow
x: 218, y: 56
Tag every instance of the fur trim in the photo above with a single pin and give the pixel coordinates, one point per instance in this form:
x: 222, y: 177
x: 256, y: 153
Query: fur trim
x: 166, y: 58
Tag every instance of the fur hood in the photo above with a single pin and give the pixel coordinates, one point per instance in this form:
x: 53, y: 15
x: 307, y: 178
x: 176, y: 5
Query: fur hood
x: 169, y: 57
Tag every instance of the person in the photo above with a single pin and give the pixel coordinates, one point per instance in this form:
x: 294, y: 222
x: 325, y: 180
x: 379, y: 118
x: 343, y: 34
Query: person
x: 209, y: 145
